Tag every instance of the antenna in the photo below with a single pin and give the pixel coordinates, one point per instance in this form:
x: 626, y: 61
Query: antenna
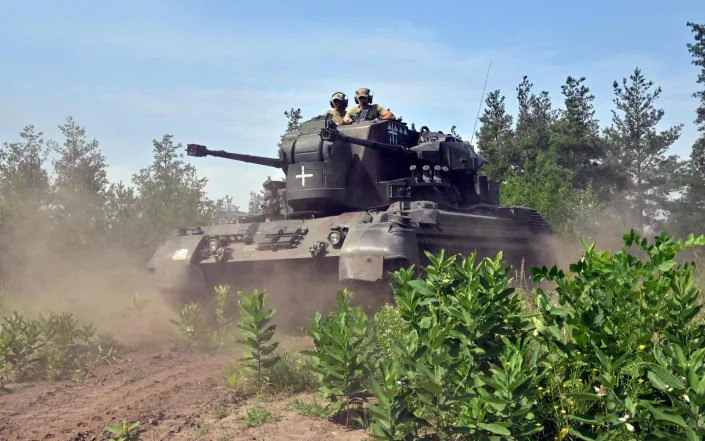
x: 480, y: 106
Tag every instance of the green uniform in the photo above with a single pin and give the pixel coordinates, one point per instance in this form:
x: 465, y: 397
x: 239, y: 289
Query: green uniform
x: 334, y: 115
x: 374, y: 111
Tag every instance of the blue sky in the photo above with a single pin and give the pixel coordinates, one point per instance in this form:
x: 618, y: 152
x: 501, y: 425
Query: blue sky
x: 221, y: 73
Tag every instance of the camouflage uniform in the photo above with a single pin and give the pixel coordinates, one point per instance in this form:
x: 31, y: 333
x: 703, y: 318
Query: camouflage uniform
x: 373, y: 111
x: 334, y: 115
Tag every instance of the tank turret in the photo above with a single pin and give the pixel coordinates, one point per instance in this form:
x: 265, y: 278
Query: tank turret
x: 331, y: 169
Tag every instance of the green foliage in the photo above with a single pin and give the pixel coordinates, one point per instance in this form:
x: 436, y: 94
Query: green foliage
x: 256, y: 416
x: 638, y: 150
x: 223, y: 316
x: 697, y: 51
x: 171, y: 195
x: 310, y: 409
x: 257, y: 334
x: 124, y: 432
x: 461, y: 316
x: 51, y: 346
x: 388, y: 327
x: 618, y: 321
x: 193, y: 330
x: 291, y: 373
x: 342, y: 343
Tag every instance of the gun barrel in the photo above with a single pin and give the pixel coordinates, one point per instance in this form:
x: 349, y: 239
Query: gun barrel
x: 201, y: 150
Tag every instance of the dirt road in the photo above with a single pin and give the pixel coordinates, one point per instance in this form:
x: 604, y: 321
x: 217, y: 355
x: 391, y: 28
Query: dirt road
x: 173, y: 395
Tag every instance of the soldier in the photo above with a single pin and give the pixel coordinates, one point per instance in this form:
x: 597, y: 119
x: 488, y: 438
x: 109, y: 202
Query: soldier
x: 338, y: 103
x: 365, y: 110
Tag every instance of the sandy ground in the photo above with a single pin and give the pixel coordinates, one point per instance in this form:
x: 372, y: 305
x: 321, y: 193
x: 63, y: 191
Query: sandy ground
x: 173, y: 395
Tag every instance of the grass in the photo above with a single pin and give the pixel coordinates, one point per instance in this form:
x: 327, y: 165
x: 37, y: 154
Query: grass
x: 202, y: 429
x: 220, y: 412
x: 257, y: 416
x: 310, y: 409
x: 291, y: 373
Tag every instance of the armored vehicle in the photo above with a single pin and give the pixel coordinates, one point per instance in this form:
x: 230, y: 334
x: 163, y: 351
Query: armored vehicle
x: 357, y: 202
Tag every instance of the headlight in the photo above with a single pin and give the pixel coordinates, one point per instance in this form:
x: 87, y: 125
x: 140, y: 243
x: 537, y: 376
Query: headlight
x: 213, y: 245
x: 334, y: 237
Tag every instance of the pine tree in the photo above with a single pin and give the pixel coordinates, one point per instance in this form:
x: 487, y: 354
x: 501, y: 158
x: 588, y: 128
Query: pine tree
x: 121, y: 214
x: 697, y: 51
x: 690, y: 217
x: 533, y: 134
x: 24, y: 195
x: 577, y: 141
x: 170, y: 193
x: 638, y: 151
x: 79, y: 188
x: 22, y: 170
x: 495, y: 140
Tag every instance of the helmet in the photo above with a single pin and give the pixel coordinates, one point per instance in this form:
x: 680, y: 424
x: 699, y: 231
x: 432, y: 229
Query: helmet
x: 339, y: 96
x: 363, y: 91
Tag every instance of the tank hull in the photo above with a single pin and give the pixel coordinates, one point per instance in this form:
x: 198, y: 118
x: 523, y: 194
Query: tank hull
x: 301, y: 264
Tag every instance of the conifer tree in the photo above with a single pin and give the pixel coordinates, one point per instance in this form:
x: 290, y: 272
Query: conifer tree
x: 171, y: 195
x: 495, y: 138
x: 638, y: 151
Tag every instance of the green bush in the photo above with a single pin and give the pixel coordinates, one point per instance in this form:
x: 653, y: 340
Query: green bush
x: 193, y: 329
x: 616, y: 351
x: 257, y: 334
x: 388, y: 327
x: 49, y: 346
x: 342, y: 342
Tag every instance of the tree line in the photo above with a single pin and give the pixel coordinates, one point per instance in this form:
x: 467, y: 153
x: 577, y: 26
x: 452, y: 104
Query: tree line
x: 561, y: 162
x: 65, y: 207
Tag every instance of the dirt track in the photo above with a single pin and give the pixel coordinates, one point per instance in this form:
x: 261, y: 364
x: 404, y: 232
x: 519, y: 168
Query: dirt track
x: 172, y: 394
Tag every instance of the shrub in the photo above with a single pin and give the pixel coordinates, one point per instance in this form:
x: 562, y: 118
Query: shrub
x: 620, y: 320
x: 388, y: 327
x: 257, y: 334
x: 342, y: 343
x: 193, y: 331
x: 223, y: 316
x: 49, y: 346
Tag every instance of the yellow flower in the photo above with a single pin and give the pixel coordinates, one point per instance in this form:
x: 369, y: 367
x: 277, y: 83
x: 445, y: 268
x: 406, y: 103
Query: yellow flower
x: 642, y: 347
x: 563, y: 412
x: 540, y: 388
x: 563, y: 433
x: 641, y: 380
x: 555, y: 407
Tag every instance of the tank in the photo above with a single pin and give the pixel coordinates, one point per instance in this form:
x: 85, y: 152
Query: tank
x: 357, y: 202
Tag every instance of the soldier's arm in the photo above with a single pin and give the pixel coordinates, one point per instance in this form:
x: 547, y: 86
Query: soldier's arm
x: 348, y: 116
x: 384, y: 113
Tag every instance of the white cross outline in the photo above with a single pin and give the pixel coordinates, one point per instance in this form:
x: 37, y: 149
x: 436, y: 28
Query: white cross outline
x: 303, y: 176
